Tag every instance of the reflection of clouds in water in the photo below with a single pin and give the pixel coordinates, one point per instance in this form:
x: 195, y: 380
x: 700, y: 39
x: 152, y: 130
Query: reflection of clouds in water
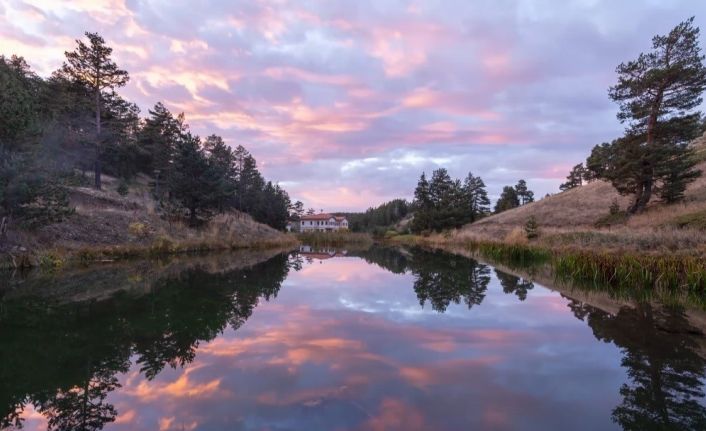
x: 369, y: 352
x: 314, y: 367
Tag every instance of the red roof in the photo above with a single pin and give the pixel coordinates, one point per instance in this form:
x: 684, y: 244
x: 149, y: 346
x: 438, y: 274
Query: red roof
x: 322, y: 216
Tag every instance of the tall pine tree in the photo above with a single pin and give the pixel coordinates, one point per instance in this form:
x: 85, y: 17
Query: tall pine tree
x: 91, y: 65
x: 657, y: 94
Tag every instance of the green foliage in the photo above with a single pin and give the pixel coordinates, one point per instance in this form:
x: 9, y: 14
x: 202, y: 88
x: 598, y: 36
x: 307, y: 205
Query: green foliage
x: 123, y: 188
x: 657, y: 94
x: 381, y: 216
x: 524, y: 194
x: 687, y: 274
x: 531, y: 228
x: 19, y: 102
x: 575, y: 178
x: 443, y: 203
x: 90, y: 65
x: 194, y: 180
x: 508, y: 200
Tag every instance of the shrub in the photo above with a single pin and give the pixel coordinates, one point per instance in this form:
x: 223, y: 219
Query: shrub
x: 122, y: 188
x: 138, y: 229
x: 531, y: 228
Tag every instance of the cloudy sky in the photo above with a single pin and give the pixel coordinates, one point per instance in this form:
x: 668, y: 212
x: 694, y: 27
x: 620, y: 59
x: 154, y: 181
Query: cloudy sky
x: 345, y: 103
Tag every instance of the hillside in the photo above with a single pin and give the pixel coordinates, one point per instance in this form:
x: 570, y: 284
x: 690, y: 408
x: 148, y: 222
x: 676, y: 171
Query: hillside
x: 569, y: 218
x: 105, y: 223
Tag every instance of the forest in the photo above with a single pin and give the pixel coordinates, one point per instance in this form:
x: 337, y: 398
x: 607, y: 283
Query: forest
x: 72, y: 128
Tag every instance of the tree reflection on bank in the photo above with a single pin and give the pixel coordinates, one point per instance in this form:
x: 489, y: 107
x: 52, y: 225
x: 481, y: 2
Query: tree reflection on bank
x: 64, y: 359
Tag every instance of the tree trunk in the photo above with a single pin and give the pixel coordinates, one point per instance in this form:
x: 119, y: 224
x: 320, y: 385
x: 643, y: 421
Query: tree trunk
x: 646, y: 195
x: 97, y: 170
x: 97, y: 163
x: 638, y: 198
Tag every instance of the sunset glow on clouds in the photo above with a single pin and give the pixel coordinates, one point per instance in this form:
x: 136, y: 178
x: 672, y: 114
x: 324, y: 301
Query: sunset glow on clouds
x: 345, y: 103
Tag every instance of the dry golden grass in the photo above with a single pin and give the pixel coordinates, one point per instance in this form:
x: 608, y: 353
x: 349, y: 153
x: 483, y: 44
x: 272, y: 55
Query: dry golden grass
x: 109, y: 226
x: 568, y: 219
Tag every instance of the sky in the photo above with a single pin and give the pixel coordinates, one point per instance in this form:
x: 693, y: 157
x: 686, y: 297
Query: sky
x: 345, y: 103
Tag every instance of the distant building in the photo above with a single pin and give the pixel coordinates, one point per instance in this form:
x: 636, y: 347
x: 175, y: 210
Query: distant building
x: 321, y: 222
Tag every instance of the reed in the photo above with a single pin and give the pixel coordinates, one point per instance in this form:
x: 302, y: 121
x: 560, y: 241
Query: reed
x: 668, y: 274
x: 676, y: 273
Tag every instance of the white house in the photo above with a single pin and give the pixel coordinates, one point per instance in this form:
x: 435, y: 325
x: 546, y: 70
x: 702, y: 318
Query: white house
x: 322, y: 222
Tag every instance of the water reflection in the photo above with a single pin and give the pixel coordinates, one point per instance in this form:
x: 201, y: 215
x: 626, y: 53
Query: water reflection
x: 665, y: 390
x: 367, y: 339
x: 63, y: 359
x: 514, y: 284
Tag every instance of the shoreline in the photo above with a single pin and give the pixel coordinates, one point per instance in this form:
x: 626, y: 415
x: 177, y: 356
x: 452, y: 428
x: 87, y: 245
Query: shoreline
x: 53, y: 258
x: 668, y: 277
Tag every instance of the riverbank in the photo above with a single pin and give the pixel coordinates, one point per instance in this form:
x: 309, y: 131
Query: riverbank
x: 106, y: 226
x: 665, y: 275
x: 335, y: 239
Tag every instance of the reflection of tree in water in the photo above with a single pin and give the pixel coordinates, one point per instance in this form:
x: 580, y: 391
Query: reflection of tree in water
x: 666, y: 372
x: 513, y: 284
x: 390, y: 259
x: 442, y: 278
x: 64, y: 359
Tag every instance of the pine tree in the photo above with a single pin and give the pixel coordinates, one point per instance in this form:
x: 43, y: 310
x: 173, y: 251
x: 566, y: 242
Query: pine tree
x: 677, y: 173
x: 422, y: 198
x: 193, y: 182
x: 531, y: 228
x: 657, y: 94
x: 575, y: 178
x: 477, y: 200
x: 157, y: 139
x: 508, y: 200
x: 523, y: 193
x: 440, y: 188
x: 91, y: 65
x: 221, y: 158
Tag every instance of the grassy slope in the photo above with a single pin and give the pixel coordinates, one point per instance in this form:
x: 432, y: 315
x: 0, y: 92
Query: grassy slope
x: 107, y: 225
x: 567, y: 220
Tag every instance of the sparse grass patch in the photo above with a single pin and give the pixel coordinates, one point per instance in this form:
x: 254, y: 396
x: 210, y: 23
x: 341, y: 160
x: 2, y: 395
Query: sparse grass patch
x: 612, y: 219
x: 696, y: 220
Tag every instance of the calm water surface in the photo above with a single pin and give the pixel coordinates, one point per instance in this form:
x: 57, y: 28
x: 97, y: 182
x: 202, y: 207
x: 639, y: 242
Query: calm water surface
x: 373, y: 340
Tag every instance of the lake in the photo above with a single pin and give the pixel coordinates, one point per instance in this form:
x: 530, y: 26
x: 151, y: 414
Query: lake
x: 376, y: 339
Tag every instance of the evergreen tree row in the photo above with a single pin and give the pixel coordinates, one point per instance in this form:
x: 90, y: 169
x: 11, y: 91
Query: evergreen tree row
x: 54, y: 130
x: 381, y: 216
x: 442, y: 203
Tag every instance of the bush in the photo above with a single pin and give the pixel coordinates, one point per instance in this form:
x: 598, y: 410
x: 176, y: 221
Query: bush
x: 138, y: 229
x: 531, y: 228
x: 122, y: 188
